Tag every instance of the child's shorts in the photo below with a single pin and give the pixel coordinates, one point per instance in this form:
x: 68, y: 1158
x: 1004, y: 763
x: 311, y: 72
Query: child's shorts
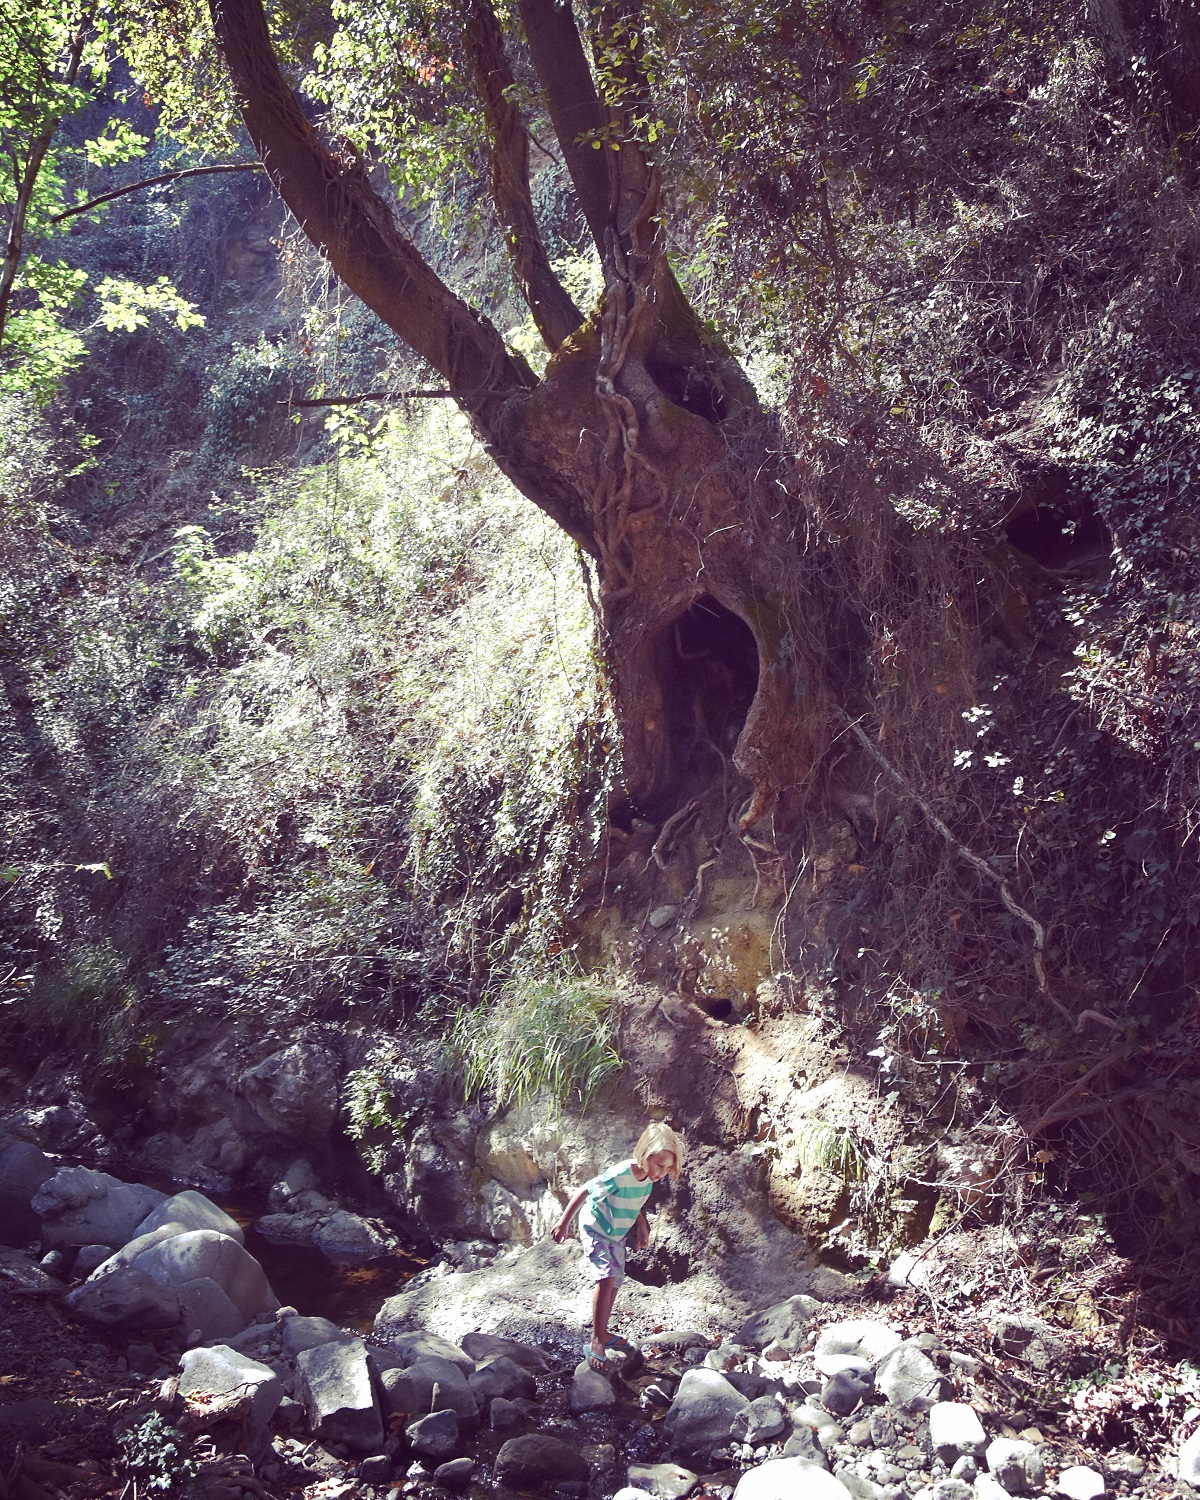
x: 604, y: 1259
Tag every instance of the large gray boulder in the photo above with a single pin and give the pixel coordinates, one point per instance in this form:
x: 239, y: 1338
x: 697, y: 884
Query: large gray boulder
x: 334, y: 1384
x: 865, y: 1337
x: 702, y: 1414
x: 1031, y: 1340
x: 205, y: 1253
x: 787, y: 1324
x: 190, y: 1210
x: 24, y: 1167
x: 909, y: 1379
x: 486, y: 1346
x: 218, y: 1378
x: 501, y: 1377
x: 955, y: 1430
x: 127, y: 1298
x: 666, y: 1481
x: 538, y: 1459
x: 349, y: 1240
x: 590, y: 1391
x: 206, y: 1311
x: 310, y: 1333
x: 427, y: 1385
x: 418, y: 1344
x: 294, y: 1092
x: 435, y: 1436
x: 78, y: 1206
x: 1017, y: 1465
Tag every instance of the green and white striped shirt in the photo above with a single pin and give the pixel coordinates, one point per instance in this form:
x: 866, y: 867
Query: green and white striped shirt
x: 614, y: 1201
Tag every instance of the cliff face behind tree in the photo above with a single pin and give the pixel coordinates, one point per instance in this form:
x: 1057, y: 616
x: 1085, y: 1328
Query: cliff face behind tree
x: 802, y: 614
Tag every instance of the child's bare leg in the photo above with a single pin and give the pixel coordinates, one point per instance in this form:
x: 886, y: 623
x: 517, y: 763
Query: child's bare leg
x: 602, y: 1305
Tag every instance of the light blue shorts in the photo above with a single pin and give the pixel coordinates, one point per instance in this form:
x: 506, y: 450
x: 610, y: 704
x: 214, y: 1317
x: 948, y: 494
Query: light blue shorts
x: 604, y: 1259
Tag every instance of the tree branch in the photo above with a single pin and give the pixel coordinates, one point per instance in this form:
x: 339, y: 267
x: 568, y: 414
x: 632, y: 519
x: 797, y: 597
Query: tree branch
x: 575, y: 107
x: 351, y: 224
x: 366, y: 396
x: 553, y: 310
x: 149, y: 182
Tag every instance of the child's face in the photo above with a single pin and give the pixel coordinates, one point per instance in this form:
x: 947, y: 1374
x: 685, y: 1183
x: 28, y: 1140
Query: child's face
x: 658, y: 1164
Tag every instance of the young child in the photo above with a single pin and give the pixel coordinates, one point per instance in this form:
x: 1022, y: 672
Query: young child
x: 612, y: 1205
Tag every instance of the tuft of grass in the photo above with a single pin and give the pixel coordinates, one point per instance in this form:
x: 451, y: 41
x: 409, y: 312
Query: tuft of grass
x: 556, y: 1036
x: 830, y: 1148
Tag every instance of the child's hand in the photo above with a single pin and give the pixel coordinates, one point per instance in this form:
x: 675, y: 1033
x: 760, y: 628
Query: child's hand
x: 559, y: 1232
x: 641, y: 1233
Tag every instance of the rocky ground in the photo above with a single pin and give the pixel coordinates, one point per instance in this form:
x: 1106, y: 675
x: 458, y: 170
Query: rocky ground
x: 877, y: 1394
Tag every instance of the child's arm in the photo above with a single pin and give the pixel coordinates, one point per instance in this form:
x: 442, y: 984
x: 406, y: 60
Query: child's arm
x: 560, y: 1229
x: 641, y: 1231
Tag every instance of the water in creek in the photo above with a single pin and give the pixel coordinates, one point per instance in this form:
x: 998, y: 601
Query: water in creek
x: 303, y: 1278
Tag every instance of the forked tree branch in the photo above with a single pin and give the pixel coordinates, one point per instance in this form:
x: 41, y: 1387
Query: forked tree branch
x: 553, y: 310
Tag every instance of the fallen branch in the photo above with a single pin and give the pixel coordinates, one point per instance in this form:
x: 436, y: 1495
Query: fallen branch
x: 980, y: 864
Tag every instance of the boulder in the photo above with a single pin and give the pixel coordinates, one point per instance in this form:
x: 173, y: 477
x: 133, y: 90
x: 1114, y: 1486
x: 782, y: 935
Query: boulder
x: 24, y: 1275
x: 190, y: 1210
x: 24, y: 1167
x: 206, y: 1311
x: 761, y: 1421
x: 955, y: 1430
x: 294, y: 1092
x: 1030, y: 1340
x: 666, y: 1481
x: 78, y: 1206
x: 127, y: 1298
x: 785, y: 1324
x: 90, y: 1258
x: 789, y: 1479
x: 590, y: 1391
x: 334, y: 1384
x: 909, y: 1379
x: 455, y: 1475
x: 1080, y: 1482
x: 418, y: 1344
x: 501, y: 1377
x: 537, y: 1458
x: 310, y: 1333
x: 348, y: 1240
x: 702, y: 1414
x: 864, y: 1337
x: 1016, y: 1465
x: 1189, y: 1460
x: 511, y: 1416
x: 428, y: 1385
x: 218, y: 1377
x: 300, y: 1177
x: 953, y: 1489
x: 487, y: 1346
x: 803, y: 1444
x: 843, y: 1392
x: 435, y: 1436
x: 206, y: 1253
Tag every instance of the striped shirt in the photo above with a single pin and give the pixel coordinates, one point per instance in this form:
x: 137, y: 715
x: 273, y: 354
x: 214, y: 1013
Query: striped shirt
x: 614, y: 1201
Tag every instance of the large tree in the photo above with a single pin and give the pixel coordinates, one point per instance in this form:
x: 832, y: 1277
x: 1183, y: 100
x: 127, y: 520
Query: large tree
x: 643, y: 439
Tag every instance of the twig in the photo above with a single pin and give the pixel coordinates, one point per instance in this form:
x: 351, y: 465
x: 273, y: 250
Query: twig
x: 973, y: 859
x: 674, y: 822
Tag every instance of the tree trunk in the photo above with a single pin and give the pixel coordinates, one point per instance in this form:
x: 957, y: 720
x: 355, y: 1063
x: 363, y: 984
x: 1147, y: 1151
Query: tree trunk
x: 644, y: 440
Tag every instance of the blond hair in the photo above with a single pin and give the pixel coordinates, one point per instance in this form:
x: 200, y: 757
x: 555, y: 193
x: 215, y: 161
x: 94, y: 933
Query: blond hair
x: 659, y: 1137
